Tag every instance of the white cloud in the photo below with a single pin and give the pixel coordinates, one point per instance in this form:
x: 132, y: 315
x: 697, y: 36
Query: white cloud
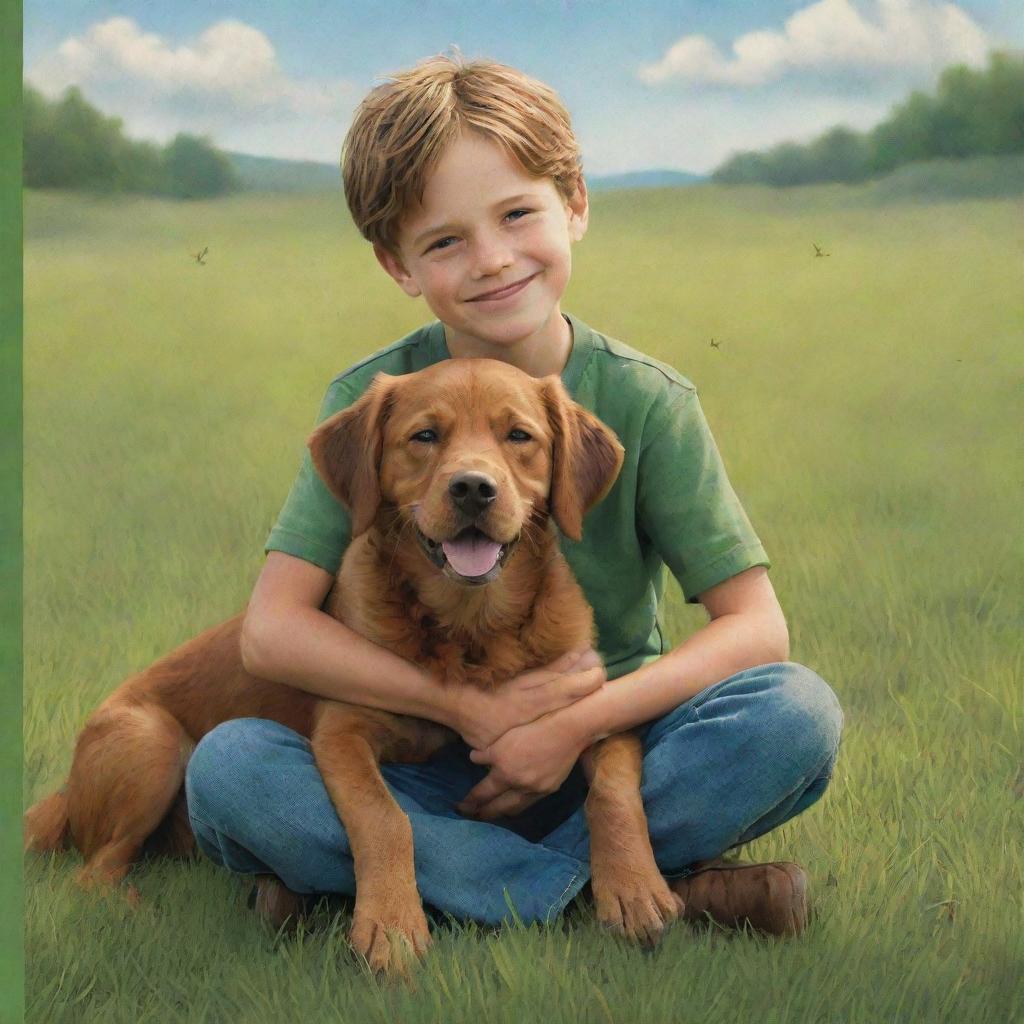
x: 229, y: 64
x: 831, y: 36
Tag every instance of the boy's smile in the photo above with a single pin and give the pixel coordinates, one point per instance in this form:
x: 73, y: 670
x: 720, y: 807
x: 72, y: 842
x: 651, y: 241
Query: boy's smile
x: 488, y: 248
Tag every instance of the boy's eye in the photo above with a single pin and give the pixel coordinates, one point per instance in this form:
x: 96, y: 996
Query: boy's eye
x: 441, y: 243
x: 427, y: 436
x: 516, y: 214
x: 519, y: 435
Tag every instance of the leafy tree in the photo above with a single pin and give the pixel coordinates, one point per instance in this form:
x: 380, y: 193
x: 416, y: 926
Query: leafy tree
x: 1001, y: 128
x: 141, y: 168
x: 70, y: 144
x: 41, y: 166
x: 906, y: 135
x: 840, y: 155
x: 742, y: 169
x: 195, y: 169
x: 973, y: 113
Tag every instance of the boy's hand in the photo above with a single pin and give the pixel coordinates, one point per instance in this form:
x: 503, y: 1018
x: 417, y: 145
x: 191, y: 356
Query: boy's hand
x: 527, y: 762
x: 486, y: 716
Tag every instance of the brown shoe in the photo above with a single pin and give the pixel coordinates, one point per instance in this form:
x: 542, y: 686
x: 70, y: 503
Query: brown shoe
x: 276, y: 903
x: 771, y: 898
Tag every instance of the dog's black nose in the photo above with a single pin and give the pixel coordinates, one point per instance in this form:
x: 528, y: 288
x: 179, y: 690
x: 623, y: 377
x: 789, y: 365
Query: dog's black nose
x: 472, y: 492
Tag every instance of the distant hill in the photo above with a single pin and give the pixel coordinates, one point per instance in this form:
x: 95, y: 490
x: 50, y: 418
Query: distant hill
x: 267, y: 174
x: 644, y: 179
x: 936, y: 181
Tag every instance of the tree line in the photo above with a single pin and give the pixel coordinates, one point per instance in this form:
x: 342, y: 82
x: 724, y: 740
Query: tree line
x: 68, y: 143
x: 973, y: 113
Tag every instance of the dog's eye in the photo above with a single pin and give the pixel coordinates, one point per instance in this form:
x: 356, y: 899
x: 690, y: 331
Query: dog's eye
x: 427, y: 436
x: 519, y: 435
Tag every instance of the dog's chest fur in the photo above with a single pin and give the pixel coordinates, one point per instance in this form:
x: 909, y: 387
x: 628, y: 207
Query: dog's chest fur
x: 534, y: 613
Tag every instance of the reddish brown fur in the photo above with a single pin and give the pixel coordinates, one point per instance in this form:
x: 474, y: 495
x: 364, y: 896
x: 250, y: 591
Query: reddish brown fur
x: 125, y: 784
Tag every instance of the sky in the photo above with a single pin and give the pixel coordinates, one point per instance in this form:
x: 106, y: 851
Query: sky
x: 668, y: 85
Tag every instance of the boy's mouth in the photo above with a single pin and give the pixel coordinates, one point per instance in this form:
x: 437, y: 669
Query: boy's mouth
x: 503, y: 293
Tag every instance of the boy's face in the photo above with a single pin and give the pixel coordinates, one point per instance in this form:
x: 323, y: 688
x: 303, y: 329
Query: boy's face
x: 489, y: 247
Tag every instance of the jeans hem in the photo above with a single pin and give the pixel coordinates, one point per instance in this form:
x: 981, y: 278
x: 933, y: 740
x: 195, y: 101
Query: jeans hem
x: 569, y: 893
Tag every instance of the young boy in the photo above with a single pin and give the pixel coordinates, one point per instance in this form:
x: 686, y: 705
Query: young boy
x: 467, y: 180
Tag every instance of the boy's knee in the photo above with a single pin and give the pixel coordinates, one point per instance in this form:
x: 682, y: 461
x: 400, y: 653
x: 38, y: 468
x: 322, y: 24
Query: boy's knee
x: 228, y: 757
x: 805, y: 717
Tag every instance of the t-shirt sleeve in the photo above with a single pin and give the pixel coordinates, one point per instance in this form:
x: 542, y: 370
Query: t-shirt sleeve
x: 314, y: 525
x: 685, y: 503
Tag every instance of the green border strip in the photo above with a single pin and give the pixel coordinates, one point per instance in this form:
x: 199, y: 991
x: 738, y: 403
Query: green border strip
x: 12, y: 898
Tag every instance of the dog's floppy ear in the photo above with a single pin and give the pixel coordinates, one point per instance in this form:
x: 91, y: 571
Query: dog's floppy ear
x: 586, y: 458
x: 346, y: 450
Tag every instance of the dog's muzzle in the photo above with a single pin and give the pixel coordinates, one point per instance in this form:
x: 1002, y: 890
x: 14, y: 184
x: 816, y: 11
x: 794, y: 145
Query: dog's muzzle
x: 470, y: 557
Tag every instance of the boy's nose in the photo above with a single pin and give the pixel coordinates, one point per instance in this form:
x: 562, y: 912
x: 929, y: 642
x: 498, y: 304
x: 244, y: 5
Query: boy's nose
x: 492, y: 257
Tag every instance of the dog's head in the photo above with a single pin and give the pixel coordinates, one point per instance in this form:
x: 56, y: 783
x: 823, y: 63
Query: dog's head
x: 466, y: 452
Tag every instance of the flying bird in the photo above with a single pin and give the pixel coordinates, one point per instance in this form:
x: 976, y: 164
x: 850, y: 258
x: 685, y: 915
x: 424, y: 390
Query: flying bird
x: 818, y: 252
x: 716, y: 344
x: 200, y: 257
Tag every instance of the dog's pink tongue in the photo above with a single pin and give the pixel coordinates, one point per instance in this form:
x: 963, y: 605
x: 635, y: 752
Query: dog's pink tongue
x: 472, y: 555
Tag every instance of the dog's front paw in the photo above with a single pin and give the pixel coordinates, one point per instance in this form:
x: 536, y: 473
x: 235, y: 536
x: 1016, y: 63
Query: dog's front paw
x: 636, y: 905
x: 391, y: 936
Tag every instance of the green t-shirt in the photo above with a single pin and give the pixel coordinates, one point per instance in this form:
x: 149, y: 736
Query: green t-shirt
x: 671, y: 505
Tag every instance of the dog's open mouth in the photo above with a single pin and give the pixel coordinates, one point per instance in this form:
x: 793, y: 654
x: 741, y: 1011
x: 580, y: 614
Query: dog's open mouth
x: 468, y: 557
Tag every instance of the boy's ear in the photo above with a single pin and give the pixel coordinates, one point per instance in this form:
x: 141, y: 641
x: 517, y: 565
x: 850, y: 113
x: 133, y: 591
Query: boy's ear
x: 579, y: 210
x: 396, y: 270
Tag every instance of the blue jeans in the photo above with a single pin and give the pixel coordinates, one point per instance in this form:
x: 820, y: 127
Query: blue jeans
x: 736, y: 761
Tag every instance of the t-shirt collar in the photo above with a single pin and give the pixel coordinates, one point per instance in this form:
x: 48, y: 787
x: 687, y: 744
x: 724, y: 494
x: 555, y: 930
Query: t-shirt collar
x: 572, y: 372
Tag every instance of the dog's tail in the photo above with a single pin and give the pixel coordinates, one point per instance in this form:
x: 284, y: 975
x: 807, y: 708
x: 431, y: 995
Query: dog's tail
x: 46, y: 824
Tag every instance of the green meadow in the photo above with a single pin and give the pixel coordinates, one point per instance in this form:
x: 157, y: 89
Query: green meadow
x: 867, y: 405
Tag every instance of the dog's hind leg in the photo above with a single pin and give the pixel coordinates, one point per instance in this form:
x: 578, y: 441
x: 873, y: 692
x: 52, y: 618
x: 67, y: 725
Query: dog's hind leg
x: 173, y: 836
x: 128, y: 769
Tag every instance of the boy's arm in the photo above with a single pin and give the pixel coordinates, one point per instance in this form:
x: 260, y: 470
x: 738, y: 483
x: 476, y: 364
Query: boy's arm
x: 286, y: 637
x: 747, y: 628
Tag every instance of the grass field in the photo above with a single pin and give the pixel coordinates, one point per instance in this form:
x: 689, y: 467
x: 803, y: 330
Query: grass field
x: 866, y: 404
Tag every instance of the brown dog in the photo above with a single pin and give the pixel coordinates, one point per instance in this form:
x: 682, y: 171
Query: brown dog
x: 453, y: 476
